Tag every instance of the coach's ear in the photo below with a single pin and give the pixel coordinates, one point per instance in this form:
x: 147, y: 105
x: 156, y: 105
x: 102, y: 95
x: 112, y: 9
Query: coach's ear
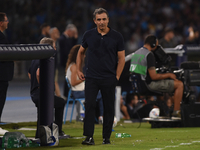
x: 94, y: 21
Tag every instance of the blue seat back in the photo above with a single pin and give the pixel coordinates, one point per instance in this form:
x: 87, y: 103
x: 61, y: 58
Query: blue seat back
x: 70, y: 88
x: 71, y: 98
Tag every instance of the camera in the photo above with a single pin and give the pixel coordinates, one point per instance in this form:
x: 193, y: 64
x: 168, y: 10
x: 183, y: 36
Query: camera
x: 188, y: 73
x: 161, y: 57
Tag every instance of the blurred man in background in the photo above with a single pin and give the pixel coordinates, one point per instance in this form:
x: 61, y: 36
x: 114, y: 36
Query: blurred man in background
x: 55, y: 35
x: 6, y: 67
x: 44, y: 31
x: 168, y: 40
x: 66, y: 41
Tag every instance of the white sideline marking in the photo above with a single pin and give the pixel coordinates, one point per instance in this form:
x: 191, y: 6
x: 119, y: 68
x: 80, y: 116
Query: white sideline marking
x: 173, y: 131
x: 185, y: 143
x: 26, y: 129
x: 195, y: 141
x: 170, y: 146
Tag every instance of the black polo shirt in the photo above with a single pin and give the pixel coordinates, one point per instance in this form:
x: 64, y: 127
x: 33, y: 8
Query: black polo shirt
x: 6, y: 67
x: 102, y: 52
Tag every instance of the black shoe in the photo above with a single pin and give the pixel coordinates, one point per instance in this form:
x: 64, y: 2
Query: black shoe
x: 106, y: 141
x: 64, y: 135
x: 88, y: 141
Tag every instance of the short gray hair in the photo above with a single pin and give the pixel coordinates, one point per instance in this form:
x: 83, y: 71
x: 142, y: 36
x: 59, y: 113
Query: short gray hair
x: 99, y: 11
x: 51, y: 30
x: 70, y: 27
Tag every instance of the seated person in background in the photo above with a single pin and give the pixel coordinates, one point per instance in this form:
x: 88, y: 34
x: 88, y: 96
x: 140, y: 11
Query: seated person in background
x: 135, y: 108
x: 133, y: 105
x: 143, y: 62
x: 169, y: 103
x: 59, y: 103
x: 150, y: 98
x: 161, y: 103
x: 78, y: 86
x: 123, y: 109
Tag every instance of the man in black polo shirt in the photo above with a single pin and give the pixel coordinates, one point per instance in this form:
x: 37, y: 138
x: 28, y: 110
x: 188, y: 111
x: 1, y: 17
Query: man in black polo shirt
x: 105, y: 62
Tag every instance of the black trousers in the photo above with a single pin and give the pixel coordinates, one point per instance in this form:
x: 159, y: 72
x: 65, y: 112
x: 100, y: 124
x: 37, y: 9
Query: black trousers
x: 107, y: 88
x: 59, y: 104
x: 3, y: 92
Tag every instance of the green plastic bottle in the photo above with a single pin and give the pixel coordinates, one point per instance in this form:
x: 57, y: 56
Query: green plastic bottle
x: 16, y: 140
x: 12, y: 143
x: 122, y: 135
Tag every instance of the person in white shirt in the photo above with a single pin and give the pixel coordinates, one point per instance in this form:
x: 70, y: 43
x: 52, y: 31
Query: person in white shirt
x: 78, y: 85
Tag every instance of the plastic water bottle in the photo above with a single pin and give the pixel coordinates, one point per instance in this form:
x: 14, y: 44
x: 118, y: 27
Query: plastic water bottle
x: 82, y: 116
x: 122, y: 135
x: 31, y: 144
x: 16, y: 140
x: 12, y: 142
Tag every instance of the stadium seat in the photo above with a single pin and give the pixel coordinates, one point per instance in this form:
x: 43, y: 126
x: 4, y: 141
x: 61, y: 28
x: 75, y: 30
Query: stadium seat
x: 71, y: 98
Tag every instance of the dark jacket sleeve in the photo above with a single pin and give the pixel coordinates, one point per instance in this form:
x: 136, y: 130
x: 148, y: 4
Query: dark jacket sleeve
x: 6, y: 67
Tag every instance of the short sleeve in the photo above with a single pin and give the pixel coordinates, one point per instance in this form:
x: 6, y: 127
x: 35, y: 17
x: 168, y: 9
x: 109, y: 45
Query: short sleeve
x: 151, y: 60
x: 84, y: 40
x: 120, y: 44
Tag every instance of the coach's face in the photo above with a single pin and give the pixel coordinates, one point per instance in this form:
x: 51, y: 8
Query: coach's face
x: 101, y: 20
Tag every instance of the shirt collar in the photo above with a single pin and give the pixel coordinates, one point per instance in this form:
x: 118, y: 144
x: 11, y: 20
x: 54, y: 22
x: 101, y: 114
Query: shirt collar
x: 66, y: 35
x: 145, y: 48
x: 105, y: 34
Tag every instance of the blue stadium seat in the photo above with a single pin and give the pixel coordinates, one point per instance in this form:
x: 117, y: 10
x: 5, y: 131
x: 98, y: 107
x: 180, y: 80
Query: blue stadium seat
x: 71, y: 98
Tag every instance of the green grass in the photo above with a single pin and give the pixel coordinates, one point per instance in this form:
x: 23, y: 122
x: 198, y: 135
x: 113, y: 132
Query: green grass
x: 143, y: 138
